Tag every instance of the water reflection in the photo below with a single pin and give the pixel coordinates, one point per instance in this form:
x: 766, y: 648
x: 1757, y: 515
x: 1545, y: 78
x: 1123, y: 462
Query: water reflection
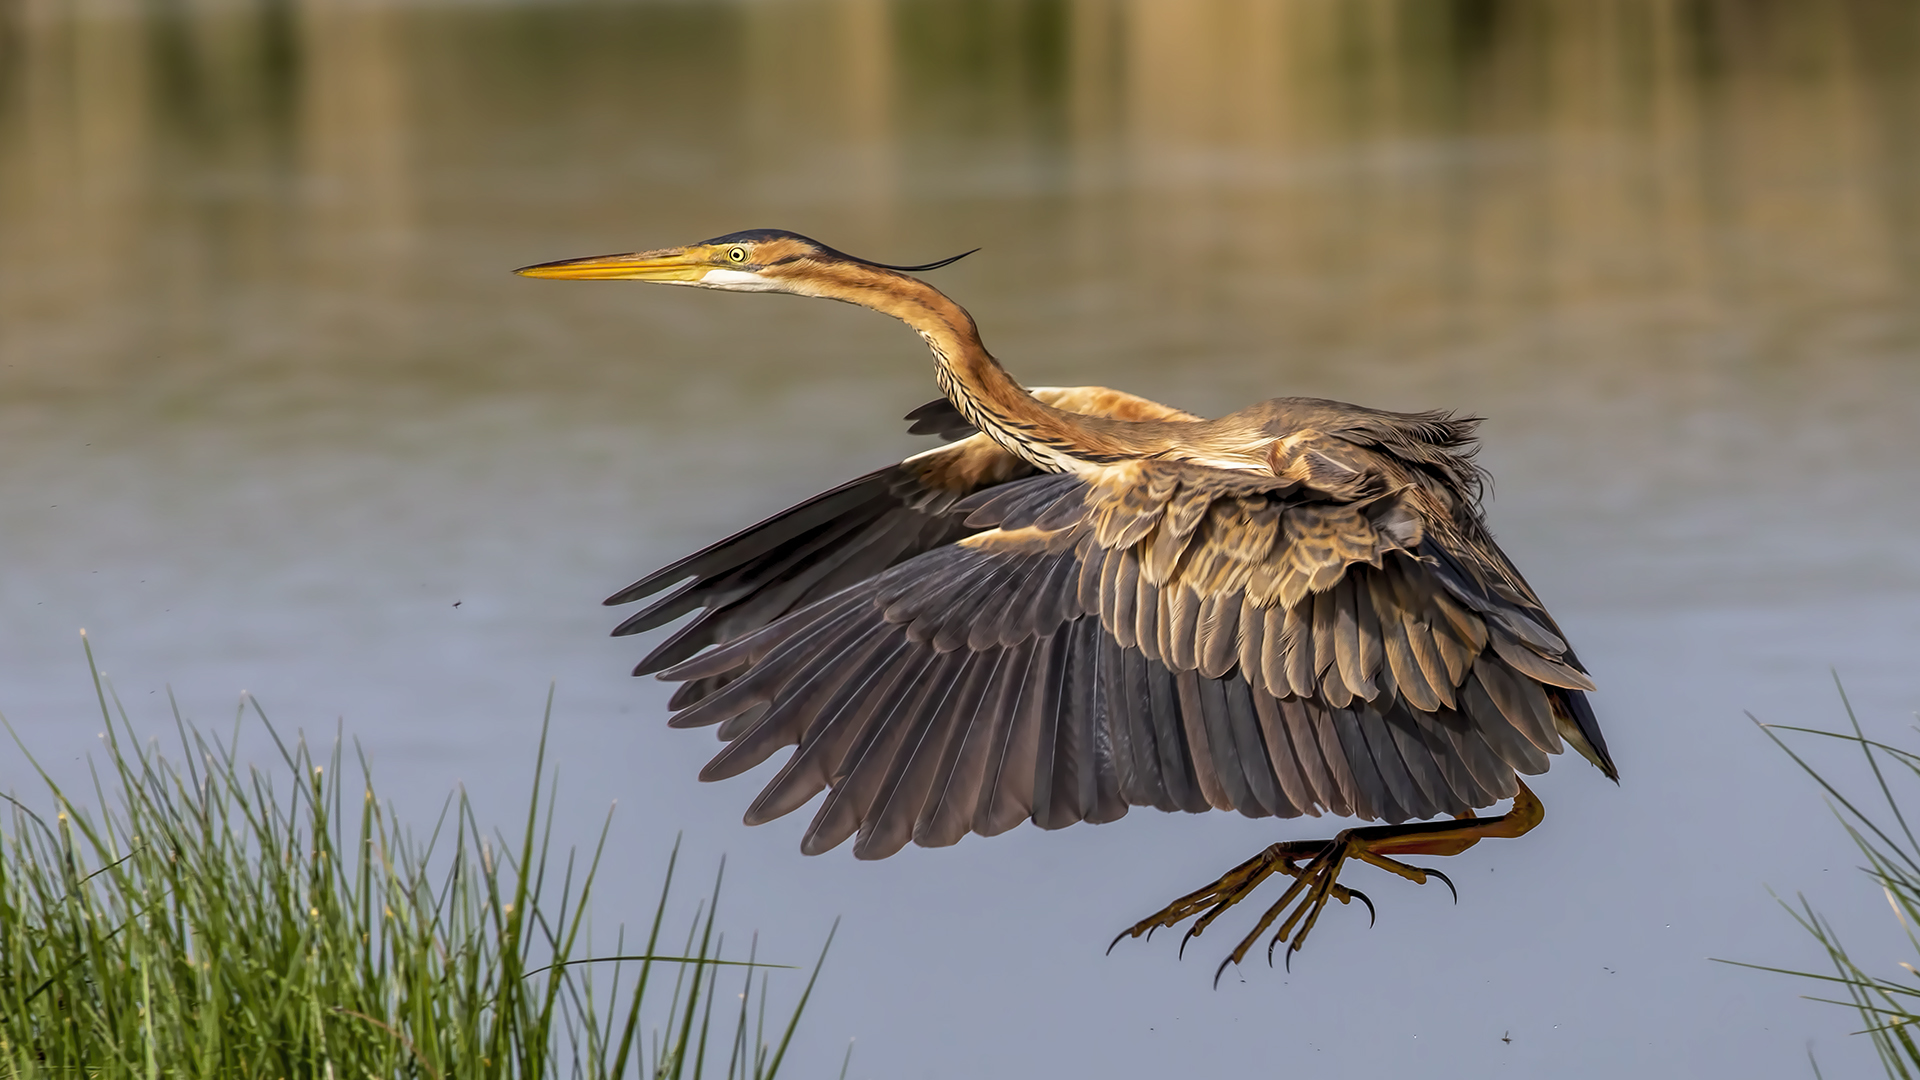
x: 1467, y: 165
x: 270, y: 405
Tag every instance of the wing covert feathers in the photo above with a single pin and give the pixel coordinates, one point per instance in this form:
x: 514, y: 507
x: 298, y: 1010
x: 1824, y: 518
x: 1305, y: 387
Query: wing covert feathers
x: 959, y: 643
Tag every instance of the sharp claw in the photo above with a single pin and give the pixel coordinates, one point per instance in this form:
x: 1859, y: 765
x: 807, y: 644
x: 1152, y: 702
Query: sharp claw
x: 1371, y: 914
x: 1315, y: 870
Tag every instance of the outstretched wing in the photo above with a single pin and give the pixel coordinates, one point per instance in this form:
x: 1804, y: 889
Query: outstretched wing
x: 841, y: 537
x: 1166, y: 635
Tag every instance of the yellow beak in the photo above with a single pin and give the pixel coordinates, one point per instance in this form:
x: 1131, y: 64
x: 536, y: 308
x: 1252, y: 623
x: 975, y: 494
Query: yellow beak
x: 672, y: 265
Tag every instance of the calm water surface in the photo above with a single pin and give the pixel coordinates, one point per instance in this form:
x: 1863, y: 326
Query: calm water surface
x: 274, y: 417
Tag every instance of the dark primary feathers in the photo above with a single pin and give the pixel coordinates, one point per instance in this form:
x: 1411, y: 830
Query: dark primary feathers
x: 962, y: 642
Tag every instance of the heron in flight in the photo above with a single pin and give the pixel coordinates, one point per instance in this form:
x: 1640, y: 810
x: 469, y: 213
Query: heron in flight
x: 1086, y: 601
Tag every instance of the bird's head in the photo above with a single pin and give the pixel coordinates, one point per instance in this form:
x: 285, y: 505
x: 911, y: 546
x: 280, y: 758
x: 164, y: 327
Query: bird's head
x: 757, y: 260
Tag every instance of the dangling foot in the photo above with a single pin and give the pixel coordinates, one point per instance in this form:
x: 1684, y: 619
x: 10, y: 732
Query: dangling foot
x: 1315, y: 867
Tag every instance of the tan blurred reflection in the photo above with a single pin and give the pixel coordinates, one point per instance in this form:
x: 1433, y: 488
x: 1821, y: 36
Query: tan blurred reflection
x: 355, y: 128
x: 207, y: 178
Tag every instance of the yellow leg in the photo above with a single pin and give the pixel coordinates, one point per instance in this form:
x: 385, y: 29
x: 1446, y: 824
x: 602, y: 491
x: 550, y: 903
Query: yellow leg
x: 1315, y: 867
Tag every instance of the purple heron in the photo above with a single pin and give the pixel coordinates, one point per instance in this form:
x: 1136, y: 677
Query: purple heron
x: 1086, y: 601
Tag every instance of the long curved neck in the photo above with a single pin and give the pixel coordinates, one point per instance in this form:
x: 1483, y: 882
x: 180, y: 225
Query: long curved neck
x: 983, y: 391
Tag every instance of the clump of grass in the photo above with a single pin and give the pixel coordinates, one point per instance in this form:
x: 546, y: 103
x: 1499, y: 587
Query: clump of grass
x: 1888, y: 1005
x: 210, y: 919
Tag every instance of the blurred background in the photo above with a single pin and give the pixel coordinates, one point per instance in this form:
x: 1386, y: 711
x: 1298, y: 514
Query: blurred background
x: 275, y: 417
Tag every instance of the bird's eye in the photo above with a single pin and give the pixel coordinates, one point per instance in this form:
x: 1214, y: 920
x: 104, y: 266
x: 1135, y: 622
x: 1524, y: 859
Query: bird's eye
x: 737, y: 254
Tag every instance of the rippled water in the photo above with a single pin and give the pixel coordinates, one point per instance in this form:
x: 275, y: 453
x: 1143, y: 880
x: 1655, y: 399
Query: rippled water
x: 274, y: 416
